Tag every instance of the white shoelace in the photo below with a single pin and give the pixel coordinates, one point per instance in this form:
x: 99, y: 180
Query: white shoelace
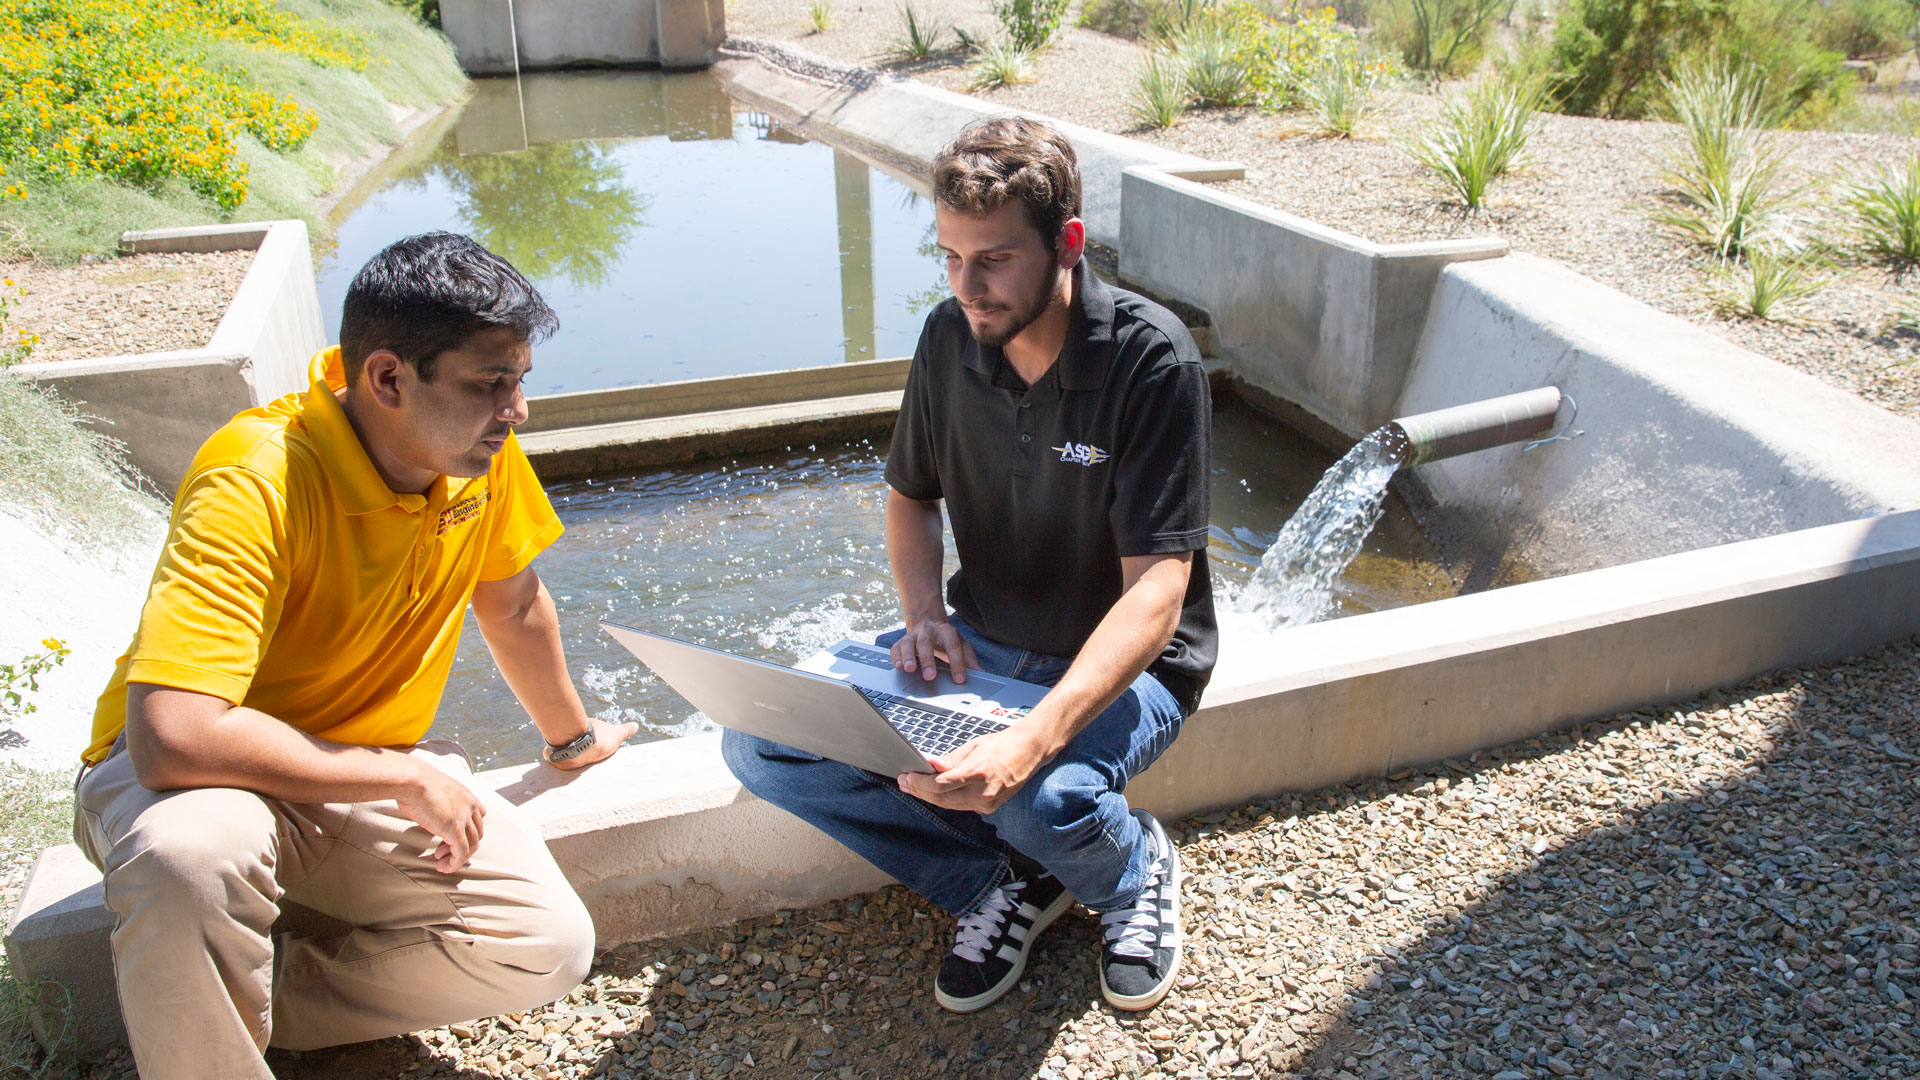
x: 978, y: 930
x: 1134, y: 931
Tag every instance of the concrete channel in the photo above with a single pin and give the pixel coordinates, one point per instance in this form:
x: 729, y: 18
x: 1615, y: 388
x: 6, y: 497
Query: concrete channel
x: 1721, y: 516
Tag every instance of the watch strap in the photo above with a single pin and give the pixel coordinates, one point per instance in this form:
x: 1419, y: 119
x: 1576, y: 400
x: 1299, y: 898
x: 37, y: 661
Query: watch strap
x: 573, y: 747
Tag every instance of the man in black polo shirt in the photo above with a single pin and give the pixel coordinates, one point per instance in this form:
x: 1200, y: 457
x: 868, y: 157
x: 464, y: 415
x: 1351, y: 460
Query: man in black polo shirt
x: 1064, y: 423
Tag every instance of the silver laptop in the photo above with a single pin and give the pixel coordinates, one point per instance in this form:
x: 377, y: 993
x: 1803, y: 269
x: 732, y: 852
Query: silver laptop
x: 847, y: 702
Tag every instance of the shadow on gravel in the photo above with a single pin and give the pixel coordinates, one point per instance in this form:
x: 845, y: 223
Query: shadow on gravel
x: 1764, y: 928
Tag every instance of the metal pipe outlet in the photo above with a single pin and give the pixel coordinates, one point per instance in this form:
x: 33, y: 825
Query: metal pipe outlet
x: 1445, y: 433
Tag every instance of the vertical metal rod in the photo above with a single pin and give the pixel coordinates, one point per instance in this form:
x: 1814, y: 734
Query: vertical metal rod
x: 513, y: 36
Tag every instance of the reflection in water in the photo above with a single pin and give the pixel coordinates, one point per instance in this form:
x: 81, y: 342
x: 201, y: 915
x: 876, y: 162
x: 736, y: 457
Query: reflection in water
x: 556, y: 210
x: 676, y: 237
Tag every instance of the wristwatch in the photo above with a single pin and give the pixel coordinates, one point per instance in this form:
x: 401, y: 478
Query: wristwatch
x: 572, y: 748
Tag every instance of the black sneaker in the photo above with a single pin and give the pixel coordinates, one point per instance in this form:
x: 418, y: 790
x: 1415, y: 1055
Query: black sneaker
x: 1140, y: 950
x: 990, y: 949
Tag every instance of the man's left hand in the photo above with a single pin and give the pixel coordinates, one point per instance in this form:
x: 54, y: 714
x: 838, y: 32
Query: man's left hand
x: 983, y: 774
x: 606, y: 739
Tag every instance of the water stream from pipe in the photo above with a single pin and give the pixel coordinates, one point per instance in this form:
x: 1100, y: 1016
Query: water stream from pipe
x: 1294, y: 584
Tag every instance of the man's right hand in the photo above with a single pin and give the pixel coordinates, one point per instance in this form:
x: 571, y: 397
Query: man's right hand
x: 450, y: 811
x: 931, y: 640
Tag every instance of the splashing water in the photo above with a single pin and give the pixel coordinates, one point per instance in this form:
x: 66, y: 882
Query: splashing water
x: 1295, y: 581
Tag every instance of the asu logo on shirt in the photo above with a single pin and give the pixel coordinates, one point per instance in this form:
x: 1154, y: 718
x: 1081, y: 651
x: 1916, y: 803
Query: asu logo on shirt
x: 1080, y: 453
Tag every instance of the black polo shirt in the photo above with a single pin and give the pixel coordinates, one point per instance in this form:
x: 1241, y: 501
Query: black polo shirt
x: 1048, y: 486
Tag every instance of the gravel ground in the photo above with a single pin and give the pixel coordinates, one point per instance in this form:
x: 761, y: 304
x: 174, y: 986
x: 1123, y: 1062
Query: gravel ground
x: 134, y: 304
x: 1584, y: 200
x: 1724, y: 889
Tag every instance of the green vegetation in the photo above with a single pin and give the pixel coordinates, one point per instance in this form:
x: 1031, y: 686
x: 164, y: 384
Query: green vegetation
x: 1610, y: 56
x: 21, y: 678
x: 1888, y: 207
x: 1479, y: 137
x: 1726, y: 173
x: 1341, y: 96
x: 1000, y: 62
x: 819, y: 15
x: 920, y: 36
x: 1216, y: 60
x: 1030, y: 25
x: 1444, y: 37
x: 143, y: 129
x: 1160, y: 93
x: 38, y: 810
x: 1770, y: 285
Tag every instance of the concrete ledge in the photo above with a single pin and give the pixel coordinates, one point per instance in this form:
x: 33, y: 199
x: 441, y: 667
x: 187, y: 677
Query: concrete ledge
x: 196, y: 238
x: 498, y: 37
x: 1689, y: 439
x: 164, y: 405
x: 591, y: 407
x: 624, y: 447
x: 904, y: 123
x: 1319, y: 317
x: 660, y: 839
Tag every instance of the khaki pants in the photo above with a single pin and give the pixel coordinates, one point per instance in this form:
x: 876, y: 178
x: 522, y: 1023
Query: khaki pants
x: 195, y: 877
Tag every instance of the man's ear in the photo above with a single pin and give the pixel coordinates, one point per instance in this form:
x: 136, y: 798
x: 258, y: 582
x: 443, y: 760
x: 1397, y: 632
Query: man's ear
x: 384, y: 373
x: 1072, y: 243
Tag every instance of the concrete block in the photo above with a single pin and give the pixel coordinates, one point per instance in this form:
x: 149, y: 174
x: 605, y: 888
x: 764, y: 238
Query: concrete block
x: 164, y: 405
x: 1321, y: 318
x: 502, y: 37
x: 1690, y: 441
x: 59, y: 949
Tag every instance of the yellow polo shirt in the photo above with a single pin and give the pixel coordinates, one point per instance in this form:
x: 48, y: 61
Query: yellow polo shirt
x: 294, y: 582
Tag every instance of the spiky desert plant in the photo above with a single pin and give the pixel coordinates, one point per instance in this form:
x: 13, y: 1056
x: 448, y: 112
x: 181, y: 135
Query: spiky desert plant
x: 919, y: 37
x: 1001, y: 63
x: 1771, y: 283
x: 1160, y: 92
x: 1888, y: 207
x: 1215, y: 63
x: 1341, y: 94
x: 819, y: 15
x: 1479, y: 137
x: 1725, y: 173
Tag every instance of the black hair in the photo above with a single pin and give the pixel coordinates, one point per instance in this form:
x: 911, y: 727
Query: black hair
x: 426, y: 294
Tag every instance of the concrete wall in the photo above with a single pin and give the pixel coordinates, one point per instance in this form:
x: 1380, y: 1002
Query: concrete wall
x: 570, y: 33
x: 1689, y: 440
x: 164, y: 405
x: 660, y: 839
x: 904, y: 124
x: 1321, y: 318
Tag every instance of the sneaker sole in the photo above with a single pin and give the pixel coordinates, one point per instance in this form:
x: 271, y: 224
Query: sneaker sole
x: 999, y: 990
x: 1139, y: 1002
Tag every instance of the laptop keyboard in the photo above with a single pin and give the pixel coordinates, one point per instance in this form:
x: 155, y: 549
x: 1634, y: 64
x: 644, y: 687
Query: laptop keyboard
x: 932, y: 730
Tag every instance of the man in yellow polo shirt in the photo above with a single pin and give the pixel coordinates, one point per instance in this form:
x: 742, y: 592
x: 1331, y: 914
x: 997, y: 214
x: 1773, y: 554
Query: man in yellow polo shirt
x: 262, y: 737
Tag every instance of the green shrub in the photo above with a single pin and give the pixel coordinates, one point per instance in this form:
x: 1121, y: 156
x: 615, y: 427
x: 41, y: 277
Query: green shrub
x: 1001, y: 63
x: 1611, y: 55
x: 1280, y: 49
x: 427, y: 11
x: 1030, y: 25
x: 1137, y: 19
x: 1444, y: 37
x: 1725, y: 174
x: 1160, y: 93
x: 919, y: 37
x: 1770, y: 285
x: 1863, y: 28
x: 1342, y: 94
x: 819, y: 16
x: 1479, y: 138
x: 1889, y: 211
x: 1214, y: 58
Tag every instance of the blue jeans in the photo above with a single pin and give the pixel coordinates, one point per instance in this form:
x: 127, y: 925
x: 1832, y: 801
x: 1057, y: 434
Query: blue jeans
x: 1070, y: 817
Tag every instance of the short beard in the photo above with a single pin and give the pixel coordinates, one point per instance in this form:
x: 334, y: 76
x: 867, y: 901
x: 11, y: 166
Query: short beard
x: 1022, y: 318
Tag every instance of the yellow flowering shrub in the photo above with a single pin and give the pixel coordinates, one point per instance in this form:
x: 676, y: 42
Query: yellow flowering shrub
x: 108, y: 88
x: 1283, y: 44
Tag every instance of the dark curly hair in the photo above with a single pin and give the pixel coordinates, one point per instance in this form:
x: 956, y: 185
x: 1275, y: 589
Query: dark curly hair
x: 426, y: 294
x: 1010, y: 157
